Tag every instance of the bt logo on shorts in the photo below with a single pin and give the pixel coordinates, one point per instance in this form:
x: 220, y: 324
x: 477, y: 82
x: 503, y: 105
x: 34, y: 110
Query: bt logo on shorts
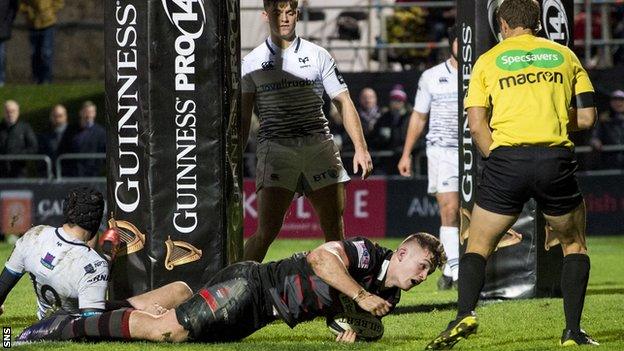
x: 331, y: 173
x: 268, y: 65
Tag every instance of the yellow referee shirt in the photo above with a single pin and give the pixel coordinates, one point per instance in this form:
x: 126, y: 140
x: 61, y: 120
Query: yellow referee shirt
x: 528, y: 83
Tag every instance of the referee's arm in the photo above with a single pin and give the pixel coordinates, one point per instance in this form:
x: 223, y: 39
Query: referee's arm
x: 582, y: 114
x: 480, y: 128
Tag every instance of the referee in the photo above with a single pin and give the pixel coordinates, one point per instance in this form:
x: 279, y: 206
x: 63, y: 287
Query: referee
x: 525, y: 95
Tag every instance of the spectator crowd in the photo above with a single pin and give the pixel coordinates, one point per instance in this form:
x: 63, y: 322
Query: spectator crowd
x: 384, y: 127
x: 17, y: 138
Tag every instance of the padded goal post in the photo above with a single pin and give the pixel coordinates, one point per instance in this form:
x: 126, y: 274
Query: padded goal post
x: 174, y: 150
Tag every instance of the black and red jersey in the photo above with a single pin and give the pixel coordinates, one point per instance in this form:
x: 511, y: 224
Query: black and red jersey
x: 299, y: 295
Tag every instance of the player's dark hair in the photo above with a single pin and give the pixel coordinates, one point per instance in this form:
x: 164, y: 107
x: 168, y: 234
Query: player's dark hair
x: 431, y: 244
x: 84, y: 207
x: 293, y: 3
x: 520, y: 13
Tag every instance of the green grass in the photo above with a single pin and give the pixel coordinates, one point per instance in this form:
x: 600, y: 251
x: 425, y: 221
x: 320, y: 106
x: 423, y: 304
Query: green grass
x: 37, y: 100
x: 423, y: 312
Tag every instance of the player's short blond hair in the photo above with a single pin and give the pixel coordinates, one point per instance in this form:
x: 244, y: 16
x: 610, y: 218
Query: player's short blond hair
x: 431, y: 244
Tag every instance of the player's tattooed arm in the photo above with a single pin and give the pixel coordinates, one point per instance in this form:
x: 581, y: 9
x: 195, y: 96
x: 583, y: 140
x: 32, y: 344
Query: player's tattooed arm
x: 329, y: 262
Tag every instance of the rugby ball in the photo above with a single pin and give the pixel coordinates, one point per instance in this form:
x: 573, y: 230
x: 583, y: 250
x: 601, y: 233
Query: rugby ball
x: 350, y: 317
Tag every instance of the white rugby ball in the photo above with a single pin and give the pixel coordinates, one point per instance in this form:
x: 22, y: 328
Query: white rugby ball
x: 366, y: 326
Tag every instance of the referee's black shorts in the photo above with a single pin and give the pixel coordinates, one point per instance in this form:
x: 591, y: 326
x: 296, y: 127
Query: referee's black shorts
x: 513, y: 175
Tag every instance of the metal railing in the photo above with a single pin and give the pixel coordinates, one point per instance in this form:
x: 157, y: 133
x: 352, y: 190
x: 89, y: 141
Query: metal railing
x: 418, y: 159
x: 85, y: 156
x: 379, y: 43
x: 32, y: 157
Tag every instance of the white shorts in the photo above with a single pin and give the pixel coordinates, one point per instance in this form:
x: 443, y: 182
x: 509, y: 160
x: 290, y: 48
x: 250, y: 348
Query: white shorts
x: 443, y: 169
x: 301, y: 165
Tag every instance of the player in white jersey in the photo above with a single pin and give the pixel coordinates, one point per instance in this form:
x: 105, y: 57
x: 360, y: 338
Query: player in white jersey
x: 285, y: 77
x: 69, y: 275
x: 436, y: 101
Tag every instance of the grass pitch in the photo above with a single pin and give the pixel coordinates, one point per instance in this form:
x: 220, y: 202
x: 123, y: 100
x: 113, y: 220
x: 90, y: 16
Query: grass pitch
x: 512, y: 325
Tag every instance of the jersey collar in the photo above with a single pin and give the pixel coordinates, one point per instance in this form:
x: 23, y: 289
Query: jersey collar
x: 274, y: 48
x: 450, y: 67
x: 60, y: 233
x: 381, y: 277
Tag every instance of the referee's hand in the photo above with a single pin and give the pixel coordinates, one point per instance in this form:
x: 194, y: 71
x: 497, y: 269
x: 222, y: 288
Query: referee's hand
x: 405, y: 166
x: 362, y: 159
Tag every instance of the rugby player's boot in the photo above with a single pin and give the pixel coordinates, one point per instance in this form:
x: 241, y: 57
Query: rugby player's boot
x: 445, y: 282
x: 48, y: 329
x: 458, y: 329
x: 575, y: 338
x: 109, y: 243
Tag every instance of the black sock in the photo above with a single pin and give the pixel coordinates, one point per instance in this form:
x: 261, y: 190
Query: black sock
x: 574, y: 277
x: 471, y: 280
x: 105, y: 326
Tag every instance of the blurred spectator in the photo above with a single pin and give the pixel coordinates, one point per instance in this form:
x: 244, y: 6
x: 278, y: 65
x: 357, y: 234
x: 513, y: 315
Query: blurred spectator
x: 8, y: 9
x: 90, y: 138
x: 389, y: 133
x: 41, y: 20
x: 369, y: 111
x: 16, y: 137
x: 610, y: 131
x: 57, y: 140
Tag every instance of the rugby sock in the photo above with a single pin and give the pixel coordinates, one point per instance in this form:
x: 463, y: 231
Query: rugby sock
x: 574, y: 277
x: 449, y: 236
x: 471, y: 280
x: 105, y: 326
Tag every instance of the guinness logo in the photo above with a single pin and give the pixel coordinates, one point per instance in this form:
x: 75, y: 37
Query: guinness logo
x: 179, y: 253
x: 131, y: 237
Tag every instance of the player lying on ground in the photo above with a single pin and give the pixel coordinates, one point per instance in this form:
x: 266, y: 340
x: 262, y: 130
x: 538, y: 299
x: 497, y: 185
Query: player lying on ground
x: 246, y: 296
x: 67, y: 274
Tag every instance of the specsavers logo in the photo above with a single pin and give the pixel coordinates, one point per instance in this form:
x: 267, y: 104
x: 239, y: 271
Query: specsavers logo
x: 514, y: 60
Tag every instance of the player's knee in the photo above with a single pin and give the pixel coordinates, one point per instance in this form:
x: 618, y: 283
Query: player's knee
x: 182, y: 290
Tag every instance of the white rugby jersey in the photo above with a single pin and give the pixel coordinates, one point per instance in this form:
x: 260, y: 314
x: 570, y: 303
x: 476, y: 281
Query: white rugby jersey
x: 66, y: 273
x: 288, y: 86
x: 437, y: 96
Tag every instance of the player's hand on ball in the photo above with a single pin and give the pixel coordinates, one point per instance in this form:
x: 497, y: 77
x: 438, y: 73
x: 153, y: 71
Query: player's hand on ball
x: 374, y: 304
x: 405, y: 166
x: 362, y: 159
x: 348, y: 336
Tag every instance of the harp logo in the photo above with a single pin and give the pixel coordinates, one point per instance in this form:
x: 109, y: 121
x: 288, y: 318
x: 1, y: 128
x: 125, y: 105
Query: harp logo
x: 130, y: 236
x: 179, y: 253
